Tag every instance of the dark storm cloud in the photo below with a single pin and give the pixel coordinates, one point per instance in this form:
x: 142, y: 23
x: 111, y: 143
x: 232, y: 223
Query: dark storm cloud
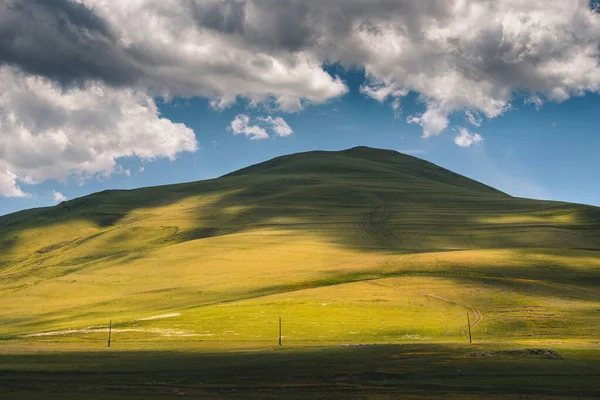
x: 61, y: 40
x: 222, y: 16
x: 288, y: 26
x: 294, y: 25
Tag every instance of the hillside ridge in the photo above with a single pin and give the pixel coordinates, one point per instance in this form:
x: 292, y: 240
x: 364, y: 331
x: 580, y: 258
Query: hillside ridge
x: 369, y: 154
x: 381, y: 161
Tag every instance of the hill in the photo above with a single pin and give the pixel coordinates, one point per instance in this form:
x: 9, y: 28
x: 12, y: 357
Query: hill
x: 361, y: 245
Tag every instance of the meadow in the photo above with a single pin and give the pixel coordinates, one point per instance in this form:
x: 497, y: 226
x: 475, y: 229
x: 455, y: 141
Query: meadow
x: 361, y: 247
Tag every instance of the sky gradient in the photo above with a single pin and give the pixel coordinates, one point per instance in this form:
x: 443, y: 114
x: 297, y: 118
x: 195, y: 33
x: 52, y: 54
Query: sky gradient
x: 512, y: 101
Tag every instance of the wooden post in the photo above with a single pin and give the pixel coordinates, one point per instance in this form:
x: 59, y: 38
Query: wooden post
x: 280, y: 331
x: 109, y: 332
x: 469, y: 323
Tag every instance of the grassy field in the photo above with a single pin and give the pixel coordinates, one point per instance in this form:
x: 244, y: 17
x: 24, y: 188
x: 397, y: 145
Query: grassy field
x: 362, y: 246
x: 401, y: 371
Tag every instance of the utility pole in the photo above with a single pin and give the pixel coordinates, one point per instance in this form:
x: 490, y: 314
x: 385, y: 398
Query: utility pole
x: 280, y: 331
x: 109, y: 332
x: 469, y: 324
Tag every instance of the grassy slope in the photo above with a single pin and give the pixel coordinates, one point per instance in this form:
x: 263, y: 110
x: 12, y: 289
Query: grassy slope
x: 357, y: 246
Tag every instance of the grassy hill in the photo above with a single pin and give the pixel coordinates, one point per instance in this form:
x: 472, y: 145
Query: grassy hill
x: 356, y: 246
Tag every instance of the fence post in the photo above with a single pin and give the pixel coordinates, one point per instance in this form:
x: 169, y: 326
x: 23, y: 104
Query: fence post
x: 109, y: 332
x: 280, y: 331
x: 469, y: 323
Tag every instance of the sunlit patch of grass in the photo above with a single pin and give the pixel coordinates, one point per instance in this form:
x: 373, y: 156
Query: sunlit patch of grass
x: 359, y: 298
x: 540, y: 218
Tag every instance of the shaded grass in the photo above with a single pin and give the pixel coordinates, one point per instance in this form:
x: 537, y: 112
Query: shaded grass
x: 414, y: 371
x: 423, y: 207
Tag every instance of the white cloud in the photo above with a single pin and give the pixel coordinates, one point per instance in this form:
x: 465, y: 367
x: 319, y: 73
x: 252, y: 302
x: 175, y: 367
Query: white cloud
x: 457, y: 54
x: 58, y: 197
x: 217, y: 49
x: 49, y: 132
x: 473, y: 55
x: 433, y: 121
x: 381, y: 90
x: 466, y: 138
x: 221, y: 104
x: 473, y: 118
x: 241, y: 124
x: 8, y: 183
x: 536, y: 101
x: 279, y: 126
x: 142, y: 169
x: 120, y: 170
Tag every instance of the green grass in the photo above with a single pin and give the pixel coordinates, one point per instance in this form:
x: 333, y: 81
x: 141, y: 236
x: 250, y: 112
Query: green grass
x: 359, y: 246
x: 411, y: 371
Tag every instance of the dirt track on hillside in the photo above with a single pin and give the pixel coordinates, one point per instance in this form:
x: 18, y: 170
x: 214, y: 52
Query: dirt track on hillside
x: 477, y: 315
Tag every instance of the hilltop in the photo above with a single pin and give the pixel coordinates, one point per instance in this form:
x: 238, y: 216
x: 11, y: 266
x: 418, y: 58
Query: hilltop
x: 365, y: 244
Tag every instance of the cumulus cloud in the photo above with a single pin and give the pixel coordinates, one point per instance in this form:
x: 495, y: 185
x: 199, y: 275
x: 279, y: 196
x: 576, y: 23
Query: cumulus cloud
x: 119, y: 169
x: 382, y: 90
x: 242, y: 124
x: 460, y: 56
x: 433, y: 121
x: 184, y: 48
x: 48, y: 132
x: 8, y: 183
x: 466, y: 138
x: 58, y: 197
x: 474, y: 56
x: 63, y: 40
x: 278, y: 124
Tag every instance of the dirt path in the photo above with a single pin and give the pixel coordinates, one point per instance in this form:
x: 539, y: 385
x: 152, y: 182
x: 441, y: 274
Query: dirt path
x: 477, y: 315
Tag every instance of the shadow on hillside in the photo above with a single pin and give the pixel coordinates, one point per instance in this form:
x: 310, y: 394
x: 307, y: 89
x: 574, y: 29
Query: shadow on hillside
x: 550, y: 282
x: 562, y: 284
x: 379, y: 215
x: 423, y: 371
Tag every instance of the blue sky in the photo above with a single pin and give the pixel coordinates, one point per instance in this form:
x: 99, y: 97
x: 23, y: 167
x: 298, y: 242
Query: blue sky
x: 550, y: 153
x: 99, y: 95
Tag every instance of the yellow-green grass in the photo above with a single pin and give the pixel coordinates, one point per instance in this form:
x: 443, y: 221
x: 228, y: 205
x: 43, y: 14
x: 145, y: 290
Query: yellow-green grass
x: 398, y: 249
x: 236, y: 286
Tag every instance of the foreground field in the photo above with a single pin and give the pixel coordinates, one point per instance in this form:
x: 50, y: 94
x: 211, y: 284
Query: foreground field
x: 422, y: 371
